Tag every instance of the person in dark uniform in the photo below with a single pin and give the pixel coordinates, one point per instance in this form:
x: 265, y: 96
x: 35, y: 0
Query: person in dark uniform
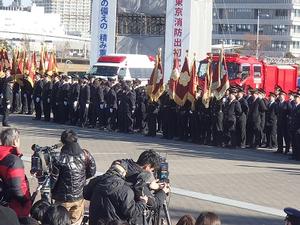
x: 128, y: 107
x: 284, y: 111
x: 232, y: 111
x: 24, y: 103
x: 29, y: 92
x: 295, y: 127
x: 242, y: 119
x: 37, y: 97
x: 271, y: 121
x: 255, y: 109
x: 141, y: 111
x: 64, y: 99
x: 183, y: 121
x: 292, y: 216
x: 120, y: 118
x: 96, y: 104
x: 6, y: 99
x: 111, y: 101
x: 16, y: 105
x: 262, y: 96
x: 46, y: 97
x: 195, y: 117
x: 151, y: 118
x: 74, y: 100
x: 84, y: 102
x: 249, y: 98
x: 54, y: 97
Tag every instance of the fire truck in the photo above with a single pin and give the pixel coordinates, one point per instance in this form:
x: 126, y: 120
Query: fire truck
x: 248, y: 71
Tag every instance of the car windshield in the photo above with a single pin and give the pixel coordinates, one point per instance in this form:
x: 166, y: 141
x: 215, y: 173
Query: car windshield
x: 232, y: 67
x: 140, y: 72
x: 107, y: 71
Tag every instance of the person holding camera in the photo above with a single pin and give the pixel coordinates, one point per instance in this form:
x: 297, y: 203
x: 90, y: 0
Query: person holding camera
x: 70, y: 171
x: 15, y: 187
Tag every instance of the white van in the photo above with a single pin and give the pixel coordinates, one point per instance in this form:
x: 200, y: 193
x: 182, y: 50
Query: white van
x: 124, y: 66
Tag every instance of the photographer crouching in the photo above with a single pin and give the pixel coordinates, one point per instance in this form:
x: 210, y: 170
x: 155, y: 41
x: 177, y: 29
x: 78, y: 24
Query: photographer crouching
x: 70, y: 171
x: 128, y: 191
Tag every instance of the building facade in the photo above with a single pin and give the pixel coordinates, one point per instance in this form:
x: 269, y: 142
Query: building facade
x: 74, y: 14
x: 277, y: 23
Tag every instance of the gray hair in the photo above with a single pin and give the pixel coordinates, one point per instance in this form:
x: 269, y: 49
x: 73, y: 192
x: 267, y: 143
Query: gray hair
x: 9, y: 136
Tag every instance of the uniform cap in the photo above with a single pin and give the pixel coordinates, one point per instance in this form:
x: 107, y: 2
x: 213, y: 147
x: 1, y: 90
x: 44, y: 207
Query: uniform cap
x: 233, y: 90
x: 282, y: 92
x: 261, y: 91
x: 272, y: 94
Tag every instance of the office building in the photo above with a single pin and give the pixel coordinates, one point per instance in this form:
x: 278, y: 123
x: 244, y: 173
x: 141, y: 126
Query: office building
x: 277, y: 23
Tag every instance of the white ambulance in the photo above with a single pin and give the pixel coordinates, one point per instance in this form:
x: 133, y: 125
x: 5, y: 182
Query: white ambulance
x: 123, y: 66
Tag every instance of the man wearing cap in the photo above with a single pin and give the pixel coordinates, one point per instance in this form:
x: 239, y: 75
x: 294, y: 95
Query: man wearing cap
x: 295, y: 127
x: 74, y: 100
x: 84, y: 101
x: 37, y: 97
x: 292, y: 216
x: 54, y: 97
x: 7, y: 99
x: 271, y: 121
x: 255, y: 120
x: 242, y: 119
x: 262, y: 96
x: 284, y: 111
x: 232, y: 111
x: 63, y: 100
x: 46, y: 97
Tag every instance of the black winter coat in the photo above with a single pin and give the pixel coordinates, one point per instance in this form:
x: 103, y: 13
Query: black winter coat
x: 71, y: 169
x: 113, y: 199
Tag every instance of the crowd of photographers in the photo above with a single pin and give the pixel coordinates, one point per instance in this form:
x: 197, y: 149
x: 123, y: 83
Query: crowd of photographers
x: 128, y: 193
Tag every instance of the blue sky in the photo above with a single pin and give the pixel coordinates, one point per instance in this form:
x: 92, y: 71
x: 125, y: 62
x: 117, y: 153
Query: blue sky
x: 24, y: 2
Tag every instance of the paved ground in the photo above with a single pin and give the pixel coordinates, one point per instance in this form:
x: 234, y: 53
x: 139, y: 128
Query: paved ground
x: 258, y: 177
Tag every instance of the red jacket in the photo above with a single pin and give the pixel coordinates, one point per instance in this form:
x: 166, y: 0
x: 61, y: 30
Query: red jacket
x: 13, y: 175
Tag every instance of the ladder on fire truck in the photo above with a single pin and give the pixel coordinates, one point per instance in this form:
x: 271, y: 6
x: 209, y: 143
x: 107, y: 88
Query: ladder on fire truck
x: 279, y: 61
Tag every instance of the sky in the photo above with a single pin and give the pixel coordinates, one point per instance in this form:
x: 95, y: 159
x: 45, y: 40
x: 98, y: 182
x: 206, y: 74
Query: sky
x: 24, y: 2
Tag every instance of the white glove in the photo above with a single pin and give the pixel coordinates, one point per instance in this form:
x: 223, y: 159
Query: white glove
x: 25, y: 95
x: 37, y: 99
x: 111, y: 110
x: 65, y: 103
x: 87, y: 106
x: 101, y: 106
x: 48, y: 100
x: 56, y: 103
x: 8, y: 106
x: 75, y: 104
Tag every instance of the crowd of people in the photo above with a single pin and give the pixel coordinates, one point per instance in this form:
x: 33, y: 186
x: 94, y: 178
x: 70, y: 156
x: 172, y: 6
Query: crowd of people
x: 128, y: 193
x: 243, y: 118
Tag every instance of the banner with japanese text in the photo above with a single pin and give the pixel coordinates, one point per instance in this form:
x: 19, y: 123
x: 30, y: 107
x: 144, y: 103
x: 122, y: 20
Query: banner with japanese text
x: 103, y: 28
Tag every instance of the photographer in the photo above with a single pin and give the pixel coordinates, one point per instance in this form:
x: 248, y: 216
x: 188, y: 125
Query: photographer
x: 111, y: 198
x: 70, y: 171
x: 140, y: 176
x: 14, y: 182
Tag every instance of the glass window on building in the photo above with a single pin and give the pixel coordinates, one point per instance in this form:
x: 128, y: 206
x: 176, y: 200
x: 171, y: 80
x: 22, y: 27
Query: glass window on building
x: 280, y: 29
x: 281, y: 13
x: 243, y: 28
x: 279, y: 45
x: 297, y: 12
x: 296, y: 44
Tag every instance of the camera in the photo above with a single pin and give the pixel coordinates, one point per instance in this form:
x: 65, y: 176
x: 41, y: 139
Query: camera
x: 42, y: 158
x: 41, y: 168
x: 163, y: 171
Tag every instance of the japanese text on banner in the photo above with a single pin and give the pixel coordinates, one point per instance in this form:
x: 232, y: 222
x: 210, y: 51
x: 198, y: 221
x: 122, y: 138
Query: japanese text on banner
x: 178, y: 28
x: 103, y: 38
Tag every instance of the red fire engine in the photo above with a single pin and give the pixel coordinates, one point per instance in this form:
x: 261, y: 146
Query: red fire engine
x: 248, y: 71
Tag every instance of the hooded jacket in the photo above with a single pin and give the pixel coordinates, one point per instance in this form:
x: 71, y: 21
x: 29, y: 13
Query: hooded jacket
x: 113, y: 199
x: 71, y: 170
x: 16, y: 185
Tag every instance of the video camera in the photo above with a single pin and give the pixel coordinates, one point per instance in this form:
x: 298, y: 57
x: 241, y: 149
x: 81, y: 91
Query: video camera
x: 41, y: 159
x: 41, y: 168
x: 163, y: 171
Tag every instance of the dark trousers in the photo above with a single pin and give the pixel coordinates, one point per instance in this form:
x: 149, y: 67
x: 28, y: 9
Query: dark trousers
x: 241, y: 131
x: 38, y: 108
x: 194, y: 125
x: 16, y: 105
x: 230, y: 133
x: 283, y: 133
x: 24, y: 102
x: 93, y: 114
x: 47, y: 109
x: 151, y: 121
x: 5, y: 114
x: 83, y: 114
x: 73, y: 113
x: 271, y: 135
x: 255, y: 138
x: 111, y: 115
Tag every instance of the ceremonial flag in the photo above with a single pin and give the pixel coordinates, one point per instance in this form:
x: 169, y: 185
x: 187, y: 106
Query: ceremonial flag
x: 42, y: 61
x: 207, y: 84
x: 174, y: 76
x: 193, y: 84
x: 223, y: 74
x: 156, y: 84
x: 50, y: 67
x: 182, y: 87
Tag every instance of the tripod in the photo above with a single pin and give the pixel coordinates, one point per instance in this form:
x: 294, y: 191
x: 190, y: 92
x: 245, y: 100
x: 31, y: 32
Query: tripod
x: 158, y: 219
